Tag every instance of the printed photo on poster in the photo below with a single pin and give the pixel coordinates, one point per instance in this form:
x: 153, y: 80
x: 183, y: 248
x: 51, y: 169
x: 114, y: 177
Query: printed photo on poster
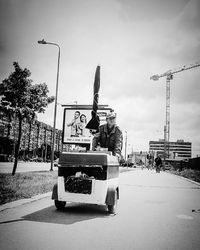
x: 77, y: 125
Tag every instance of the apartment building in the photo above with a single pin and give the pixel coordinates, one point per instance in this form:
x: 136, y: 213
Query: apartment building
x: 34, y: 134
x: 178, y: 149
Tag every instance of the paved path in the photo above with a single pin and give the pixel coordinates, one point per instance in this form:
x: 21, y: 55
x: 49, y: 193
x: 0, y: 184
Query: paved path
x: 6, y: 167
x: 155, y: 212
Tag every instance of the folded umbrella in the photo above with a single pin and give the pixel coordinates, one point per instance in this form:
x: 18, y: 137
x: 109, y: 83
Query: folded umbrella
x: 93, y: 124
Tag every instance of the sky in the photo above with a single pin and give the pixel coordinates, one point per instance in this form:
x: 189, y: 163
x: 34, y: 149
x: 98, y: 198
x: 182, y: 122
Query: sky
x: 131, y: 40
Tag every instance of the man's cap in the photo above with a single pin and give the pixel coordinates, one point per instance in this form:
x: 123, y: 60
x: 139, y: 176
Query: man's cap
x: 111, y: 115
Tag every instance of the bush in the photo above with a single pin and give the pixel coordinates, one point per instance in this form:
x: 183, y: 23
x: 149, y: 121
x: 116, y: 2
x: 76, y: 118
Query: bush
x: 188, y: 173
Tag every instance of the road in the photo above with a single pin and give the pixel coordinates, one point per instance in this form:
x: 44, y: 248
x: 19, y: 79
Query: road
x: 6, y: 167
x: 155, y: 212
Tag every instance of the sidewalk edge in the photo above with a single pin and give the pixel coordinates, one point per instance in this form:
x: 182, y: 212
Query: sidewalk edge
x: 187, y: 179
x: 18, y: 203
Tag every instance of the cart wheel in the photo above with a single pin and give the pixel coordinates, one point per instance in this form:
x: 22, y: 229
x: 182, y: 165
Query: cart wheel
x: 112, y: 209
x: 59, y: 204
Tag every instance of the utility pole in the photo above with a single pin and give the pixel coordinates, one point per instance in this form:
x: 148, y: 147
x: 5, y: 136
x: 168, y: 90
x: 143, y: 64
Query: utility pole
x: 125, y: 144
x: 56, y: 97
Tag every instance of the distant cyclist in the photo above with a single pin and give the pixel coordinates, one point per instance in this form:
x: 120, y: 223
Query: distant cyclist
x: 158, y: 164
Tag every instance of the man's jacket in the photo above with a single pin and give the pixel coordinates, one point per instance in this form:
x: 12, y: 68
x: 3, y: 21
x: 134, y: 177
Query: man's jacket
x: 113, y: 140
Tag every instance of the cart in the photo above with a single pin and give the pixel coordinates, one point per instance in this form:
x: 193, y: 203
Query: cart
x: 87, y: 177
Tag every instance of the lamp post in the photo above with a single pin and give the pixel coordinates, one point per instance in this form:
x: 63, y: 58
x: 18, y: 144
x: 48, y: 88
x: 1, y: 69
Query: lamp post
x: 55, y: 108
x: 125, y: 144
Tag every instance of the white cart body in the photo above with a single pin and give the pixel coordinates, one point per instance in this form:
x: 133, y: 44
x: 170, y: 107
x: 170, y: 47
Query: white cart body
x: 101, y: 184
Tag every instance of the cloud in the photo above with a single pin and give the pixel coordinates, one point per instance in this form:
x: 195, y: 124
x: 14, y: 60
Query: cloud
x: 190, y: 16
x: 145, y: 10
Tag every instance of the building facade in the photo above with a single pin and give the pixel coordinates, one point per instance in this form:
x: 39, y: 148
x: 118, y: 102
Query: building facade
x: 35, y: 135
x: 139, y: 158
x: 175, y: 150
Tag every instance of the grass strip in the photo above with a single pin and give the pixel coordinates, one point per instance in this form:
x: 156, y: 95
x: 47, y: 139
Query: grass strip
x: 25, y: 185
x: 193, y: 175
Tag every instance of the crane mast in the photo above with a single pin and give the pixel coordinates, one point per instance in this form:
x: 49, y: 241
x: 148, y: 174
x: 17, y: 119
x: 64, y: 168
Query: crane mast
x: 169, y: 76
x: 167, y: 131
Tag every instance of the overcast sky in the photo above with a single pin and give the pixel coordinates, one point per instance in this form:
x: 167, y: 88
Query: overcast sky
x: 131, y: 40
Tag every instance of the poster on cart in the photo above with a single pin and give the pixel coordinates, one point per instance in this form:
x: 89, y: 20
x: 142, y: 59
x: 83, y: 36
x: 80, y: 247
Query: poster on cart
x: 75, y: 120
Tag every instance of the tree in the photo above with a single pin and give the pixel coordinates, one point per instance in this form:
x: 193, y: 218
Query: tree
x: 23, y: 99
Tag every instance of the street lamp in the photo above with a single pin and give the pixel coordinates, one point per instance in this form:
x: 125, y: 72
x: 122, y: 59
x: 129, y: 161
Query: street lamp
x: 55, y: 108
x: 125, y: 144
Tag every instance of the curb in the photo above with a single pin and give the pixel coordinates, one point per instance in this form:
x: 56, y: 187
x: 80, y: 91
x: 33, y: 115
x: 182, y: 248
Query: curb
x: 124, y: 170
x: 184, y: 178
x: 18, y: 203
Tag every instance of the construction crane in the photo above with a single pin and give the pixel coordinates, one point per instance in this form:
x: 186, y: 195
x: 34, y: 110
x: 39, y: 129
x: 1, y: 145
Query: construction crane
x: 169, y: 76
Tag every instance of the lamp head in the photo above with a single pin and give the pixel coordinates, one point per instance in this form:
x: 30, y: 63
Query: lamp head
x: 42, y: 41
